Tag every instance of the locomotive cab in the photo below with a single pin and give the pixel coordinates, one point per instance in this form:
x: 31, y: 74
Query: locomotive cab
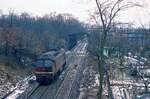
x: 44, y: 70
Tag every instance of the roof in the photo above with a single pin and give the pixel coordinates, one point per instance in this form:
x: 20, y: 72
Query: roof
x: 53, y: 53
x: 49, y: 55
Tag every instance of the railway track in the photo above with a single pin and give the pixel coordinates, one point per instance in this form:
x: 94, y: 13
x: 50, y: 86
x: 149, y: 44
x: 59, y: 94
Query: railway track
x: 37, y: 93
x: 30, y: 91
x: 67, y: 85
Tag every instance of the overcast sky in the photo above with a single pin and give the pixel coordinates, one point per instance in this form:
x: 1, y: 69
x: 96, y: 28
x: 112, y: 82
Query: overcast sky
x: 79, y: 8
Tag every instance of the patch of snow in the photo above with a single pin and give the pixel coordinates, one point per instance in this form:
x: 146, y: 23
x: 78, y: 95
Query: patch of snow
x: 20, y: 87
x: 97, y: 79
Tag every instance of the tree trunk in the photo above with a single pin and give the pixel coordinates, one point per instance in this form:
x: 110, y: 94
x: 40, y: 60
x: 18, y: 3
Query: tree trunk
x: 100, y: 67
x: 101, y: 63
x: 110, y: 93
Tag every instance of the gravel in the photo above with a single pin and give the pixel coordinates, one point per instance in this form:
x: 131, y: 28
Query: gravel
x: 88, y: 84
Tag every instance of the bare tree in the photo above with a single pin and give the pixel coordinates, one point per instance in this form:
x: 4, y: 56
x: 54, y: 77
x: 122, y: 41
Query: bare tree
x: 107, y: 12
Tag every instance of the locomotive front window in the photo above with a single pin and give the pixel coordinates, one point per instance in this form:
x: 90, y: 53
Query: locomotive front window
x: 45, y: 64
x: 39, y: 63
x: 48, y: 63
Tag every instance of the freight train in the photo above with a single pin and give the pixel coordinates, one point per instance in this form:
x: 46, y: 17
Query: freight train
x: 49, y: 65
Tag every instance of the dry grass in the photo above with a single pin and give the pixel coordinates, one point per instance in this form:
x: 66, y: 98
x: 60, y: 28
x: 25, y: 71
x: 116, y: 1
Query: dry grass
x: 11, y: 71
